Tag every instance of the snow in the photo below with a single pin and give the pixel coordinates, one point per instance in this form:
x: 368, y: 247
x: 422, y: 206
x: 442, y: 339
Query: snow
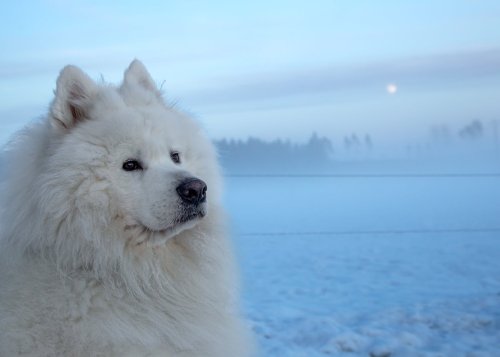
x: 315, y: 283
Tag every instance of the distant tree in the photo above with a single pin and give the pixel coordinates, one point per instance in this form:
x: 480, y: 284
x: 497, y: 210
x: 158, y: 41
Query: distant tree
x: 472, y: 131
x: 347, y: 143
x: 495, y: 125
x: 440, y: 134
x: 319, y: 146
x: 355, y: 141
x: 368, y: 142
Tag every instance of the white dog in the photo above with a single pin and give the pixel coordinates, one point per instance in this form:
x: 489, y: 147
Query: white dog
x: 113, y: 239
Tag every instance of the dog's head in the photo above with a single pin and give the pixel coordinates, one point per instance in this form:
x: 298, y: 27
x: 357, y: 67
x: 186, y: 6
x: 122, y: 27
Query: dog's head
x: 122, y: 159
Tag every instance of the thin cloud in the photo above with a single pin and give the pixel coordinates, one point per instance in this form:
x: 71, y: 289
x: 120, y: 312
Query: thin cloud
x: 51, y: 61
x: 436, y: 70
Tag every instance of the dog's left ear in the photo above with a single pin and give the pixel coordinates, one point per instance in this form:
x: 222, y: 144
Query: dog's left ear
x: 137, y: 74
x: 73, y: 94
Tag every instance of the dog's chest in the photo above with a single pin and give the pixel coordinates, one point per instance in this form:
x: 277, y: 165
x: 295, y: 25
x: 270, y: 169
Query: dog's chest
x: 122, y: 323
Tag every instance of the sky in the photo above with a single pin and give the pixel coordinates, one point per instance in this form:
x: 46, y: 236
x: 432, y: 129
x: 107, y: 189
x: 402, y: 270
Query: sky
x: 268, y: 69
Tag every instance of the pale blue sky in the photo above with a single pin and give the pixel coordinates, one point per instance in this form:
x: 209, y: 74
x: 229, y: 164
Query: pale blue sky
x: 268, y: 68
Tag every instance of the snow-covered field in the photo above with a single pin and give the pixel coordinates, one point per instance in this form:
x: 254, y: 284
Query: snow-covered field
x: 426, y: 282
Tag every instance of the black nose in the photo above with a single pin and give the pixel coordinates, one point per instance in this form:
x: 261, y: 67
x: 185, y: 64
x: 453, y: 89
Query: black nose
x: 192, y: 190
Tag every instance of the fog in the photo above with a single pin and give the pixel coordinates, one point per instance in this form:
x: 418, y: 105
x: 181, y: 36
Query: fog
x: 473, y: 148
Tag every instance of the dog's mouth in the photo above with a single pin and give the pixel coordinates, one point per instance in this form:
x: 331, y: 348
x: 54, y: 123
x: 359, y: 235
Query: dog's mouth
x: 186, y: 220
x: 183, y: 220
x: 189, y: 217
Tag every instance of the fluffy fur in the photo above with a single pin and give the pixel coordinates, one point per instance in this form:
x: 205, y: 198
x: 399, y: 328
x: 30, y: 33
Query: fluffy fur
x: 100, y: 261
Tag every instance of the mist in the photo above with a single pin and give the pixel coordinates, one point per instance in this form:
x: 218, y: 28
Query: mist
x: 472, y: 148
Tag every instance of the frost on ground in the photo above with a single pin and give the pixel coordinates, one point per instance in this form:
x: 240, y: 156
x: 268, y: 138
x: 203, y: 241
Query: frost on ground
x: 320, y: 296
x: 381, y: 295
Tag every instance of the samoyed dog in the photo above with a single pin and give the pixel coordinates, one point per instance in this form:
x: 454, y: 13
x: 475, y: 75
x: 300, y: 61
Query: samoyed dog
x: 112, y: 231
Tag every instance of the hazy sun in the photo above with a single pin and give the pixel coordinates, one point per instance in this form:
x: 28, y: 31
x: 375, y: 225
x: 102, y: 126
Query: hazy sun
x: 392, y: 88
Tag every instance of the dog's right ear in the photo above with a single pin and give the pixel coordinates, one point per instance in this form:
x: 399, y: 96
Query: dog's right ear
x: 72, y: 100
x: 137, y: 76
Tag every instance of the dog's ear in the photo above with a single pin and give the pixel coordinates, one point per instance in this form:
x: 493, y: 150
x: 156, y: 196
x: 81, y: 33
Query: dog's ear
x: 73, y: 94
x: 137, y: 74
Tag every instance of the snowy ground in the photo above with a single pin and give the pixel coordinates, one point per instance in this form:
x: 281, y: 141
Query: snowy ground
x: 389, y: 293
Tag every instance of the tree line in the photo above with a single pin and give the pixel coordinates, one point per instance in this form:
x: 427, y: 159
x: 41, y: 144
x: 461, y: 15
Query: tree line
x: 246, y: 155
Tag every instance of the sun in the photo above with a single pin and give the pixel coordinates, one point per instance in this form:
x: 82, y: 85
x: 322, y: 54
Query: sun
x: 391, y: 88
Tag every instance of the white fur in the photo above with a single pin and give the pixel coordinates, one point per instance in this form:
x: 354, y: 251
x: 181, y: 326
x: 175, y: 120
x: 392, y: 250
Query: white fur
x: 92, y: 262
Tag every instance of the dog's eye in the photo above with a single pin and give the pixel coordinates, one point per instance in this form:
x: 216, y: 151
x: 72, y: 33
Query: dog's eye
x: 131, y: 165
x: 175, y: 156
